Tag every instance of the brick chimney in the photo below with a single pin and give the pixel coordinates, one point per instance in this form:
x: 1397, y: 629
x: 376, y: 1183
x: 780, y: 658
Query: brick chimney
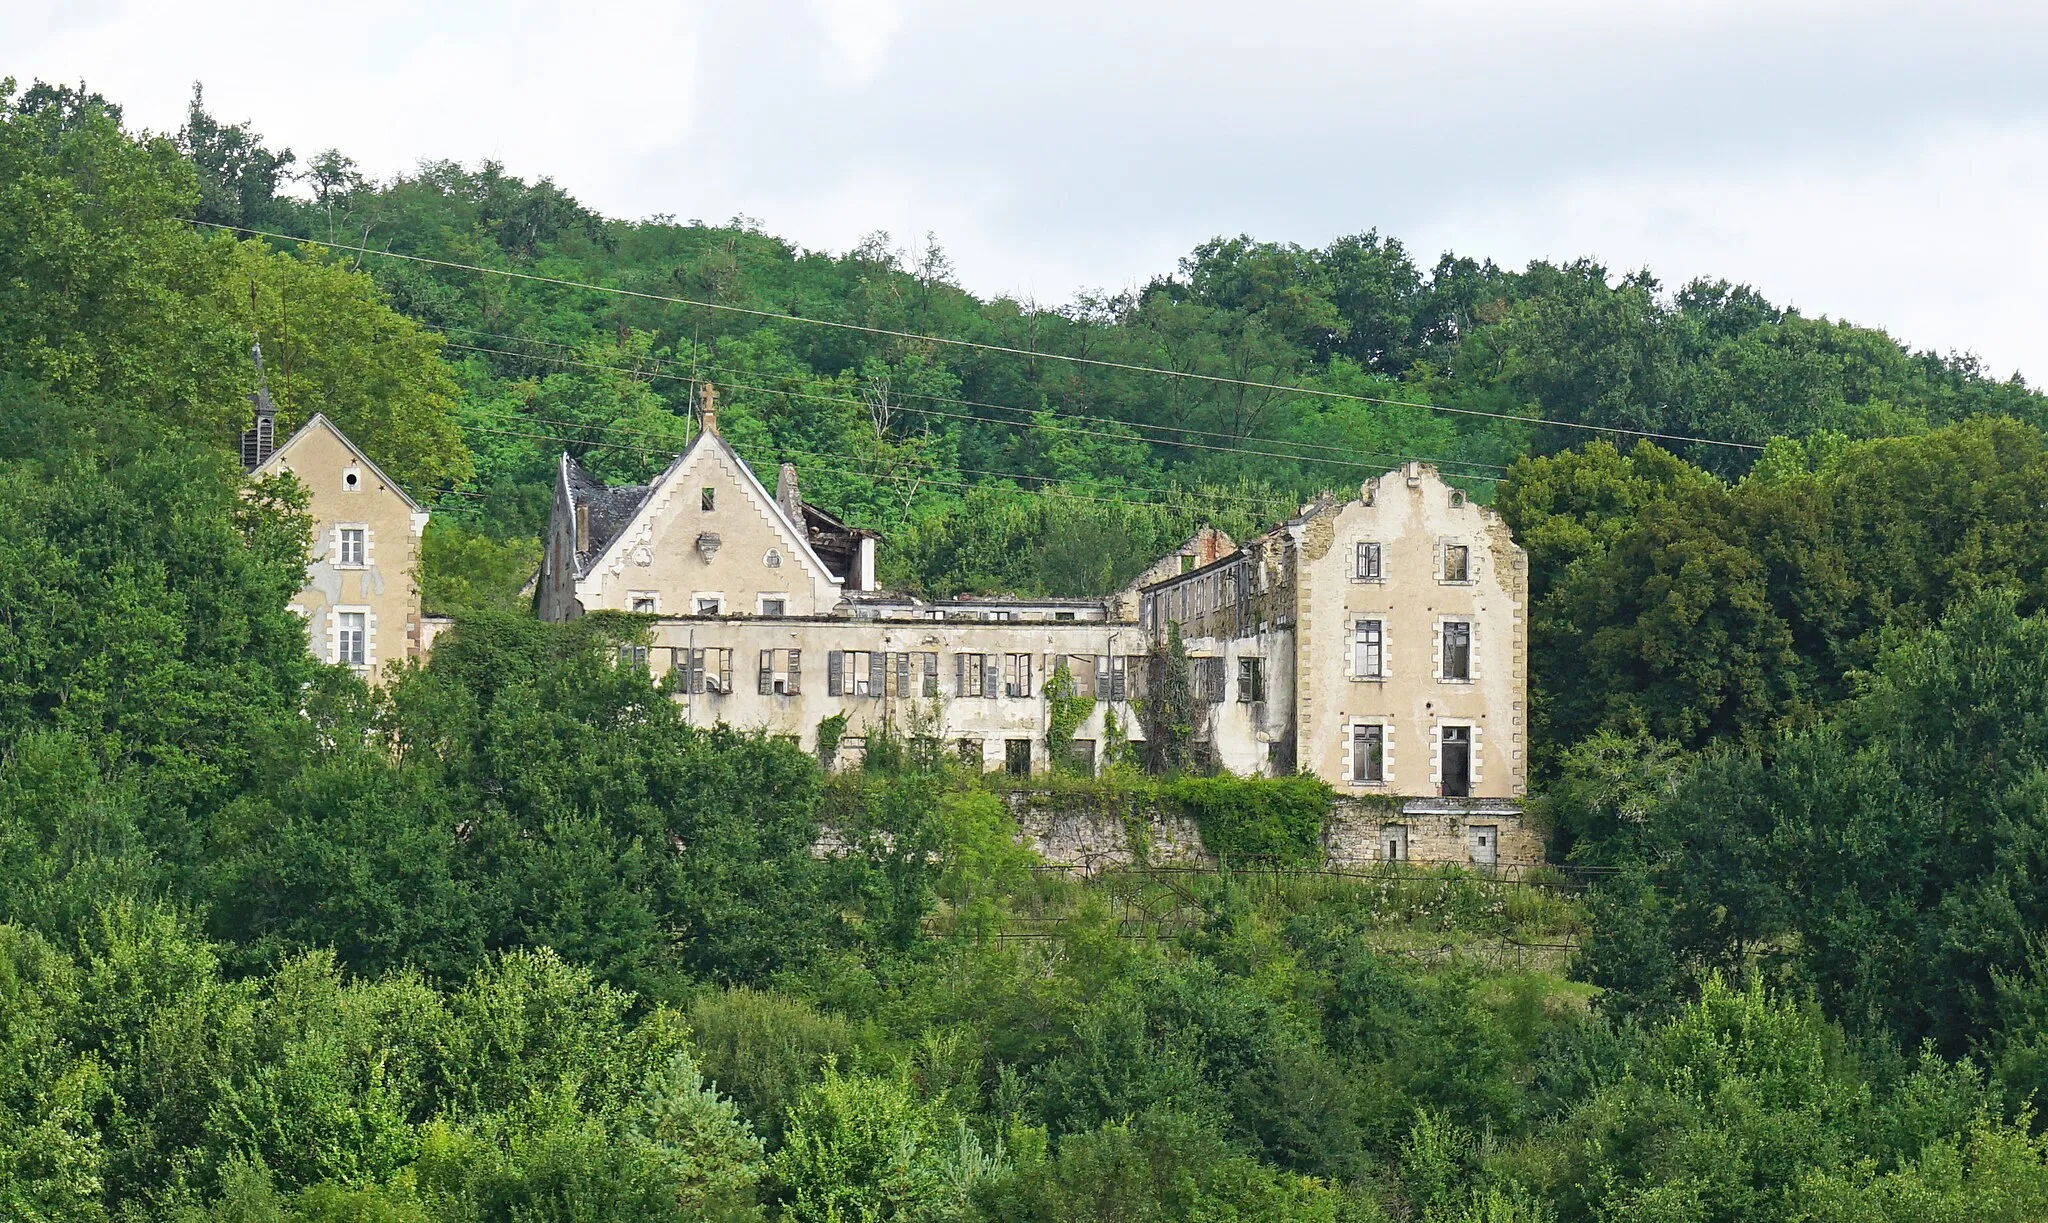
x: 787, y: 497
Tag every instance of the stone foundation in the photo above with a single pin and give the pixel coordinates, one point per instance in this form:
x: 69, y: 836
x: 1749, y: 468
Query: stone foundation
x: 1097, y: 833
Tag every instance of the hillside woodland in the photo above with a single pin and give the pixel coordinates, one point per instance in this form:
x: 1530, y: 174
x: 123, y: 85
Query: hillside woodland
x: 507, y: 940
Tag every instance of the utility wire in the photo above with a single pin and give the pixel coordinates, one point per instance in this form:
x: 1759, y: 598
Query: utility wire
x: 841, y: 471
x: 622, y: 369
x: 1263, y: 502
x: 1095, y: 362
x: 1003, y: 407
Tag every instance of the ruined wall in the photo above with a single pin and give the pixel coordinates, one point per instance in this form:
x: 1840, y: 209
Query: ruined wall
x: 1094, y: 832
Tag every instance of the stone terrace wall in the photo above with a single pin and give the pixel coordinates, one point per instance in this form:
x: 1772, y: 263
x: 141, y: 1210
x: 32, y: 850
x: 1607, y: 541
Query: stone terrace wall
x: 1096, y: 832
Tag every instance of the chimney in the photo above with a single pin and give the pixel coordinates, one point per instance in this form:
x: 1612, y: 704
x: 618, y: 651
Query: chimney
x: 261, y: 437
x: 710, y: 409
x: 787, y: 497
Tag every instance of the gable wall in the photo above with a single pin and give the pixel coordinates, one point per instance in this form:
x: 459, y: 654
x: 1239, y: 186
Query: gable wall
x: 386, y: 588
x: 1412, y: 524
x: 658, y: 552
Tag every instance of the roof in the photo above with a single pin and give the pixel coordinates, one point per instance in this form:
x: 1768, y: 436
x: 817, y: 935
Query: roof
x: 320, y: 418
x: 610, y: 508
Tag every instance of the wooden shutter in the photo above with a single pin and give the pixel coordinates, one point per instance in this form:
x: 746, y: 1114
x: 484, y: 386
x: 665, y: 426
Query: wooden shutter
x: 725, y: 670
x: 991, y: 674
x: 796, y: 672
x: 876, y: 675
x: 959, y: 675
x: 931, y: 674
x: 903, y: 675
x: 835, y: 673
x: 767, y: 672
x: 696, y: 671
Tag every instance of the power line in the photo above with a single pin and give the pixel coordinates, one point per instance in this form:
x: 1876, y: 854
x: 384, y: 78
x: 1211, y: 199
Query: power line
x: 1374, y: 468
x: 1096, y: 362
x: 1263, y: 502
x: 865, y: 475
x: 999, y: 407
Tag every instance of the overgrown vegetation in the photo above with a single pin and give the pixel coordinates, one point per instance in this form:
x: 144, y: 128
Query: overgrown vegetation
x: 509, y: 940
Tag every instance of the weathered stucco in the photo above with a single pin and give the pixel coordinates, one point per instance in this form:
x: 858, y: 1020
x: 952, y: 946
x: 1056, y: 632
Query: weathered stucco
x: 385, y: 586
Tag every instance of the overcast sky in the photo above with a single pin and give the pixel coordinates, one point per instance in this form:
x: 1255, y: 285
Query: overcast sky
x: 1866, y: 159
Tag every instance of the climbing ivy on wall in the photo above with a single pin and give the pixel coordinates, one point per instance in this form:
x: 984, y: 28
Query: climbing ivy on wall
x: 1066, y: 710
x: 1254, y: 817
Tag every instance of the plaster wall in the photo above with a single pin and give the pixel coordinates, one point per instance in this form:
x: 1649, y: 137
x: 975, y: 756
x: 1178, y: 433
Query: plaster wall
x: 658, y: 552
x: 385, y: 586
x: 949, y: 716
x: 1413, y: 520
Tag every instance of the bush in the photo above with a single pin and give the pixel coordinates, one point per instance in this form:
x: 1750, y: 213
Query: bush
x: 1278, y: 818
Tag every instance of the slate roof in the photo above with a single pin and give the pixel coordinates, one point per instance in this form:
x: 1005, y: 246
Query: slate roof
x: 610, y: 509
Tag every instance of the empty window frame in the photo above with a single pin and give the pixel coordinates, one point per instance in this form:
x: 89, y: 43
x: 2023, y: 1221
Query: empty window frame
x: 709, y: 669
x: 1366, y: 566
x: 1017, y: 675
x: 1457, y: 563
x: 853, y: 673
x: 707, y: 499
x: 352, y: 638
x: 1208, y: 679
x: 774, y: 605
x: 977, y: 674
x: 1368, y: 752
x: 1081, y: 756
x: 781, y: 672
x: 1457, y: 650
x: 1017, y: 757
x: 633, y: 656
x: 1456, y: 761
x: 1251, y: 680
x: 969, y: 751
x: 645, y: 605
x: 1369, y: 649
x: 353, y: 547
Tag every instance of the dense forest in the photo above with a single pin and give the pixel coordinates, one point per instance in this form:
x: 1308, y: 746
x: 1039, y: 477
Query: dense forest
x: 507, y: 940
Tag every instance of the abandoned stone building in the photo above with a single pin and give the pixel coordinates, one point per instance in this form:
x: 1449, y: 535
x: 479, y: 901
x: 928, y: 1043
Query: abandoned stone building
x: 361, y: 601
x: 1377, y: 642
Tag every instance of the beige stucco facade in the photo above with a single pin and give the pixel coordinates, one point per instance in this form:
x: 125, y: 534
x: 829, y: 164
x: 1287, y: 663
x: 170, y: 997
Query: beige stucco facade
x: 1389, y: 636
x: 361, y: 601
x: 769, y: 634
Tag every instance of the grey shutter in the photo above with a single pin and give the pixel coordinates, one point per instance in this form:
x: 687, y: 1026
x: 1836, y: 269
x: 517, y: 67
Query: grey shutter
x: 931, y: 674
x: 835, y: 673
x: 876, y: 675
x: 796, y: 672
x: 959, y: 675
x: 991, y: 674
x: 767, y: 672
x: 1119, y: 678
x: 903, y: 675
x: 696, y: 671
x: 725, y: 670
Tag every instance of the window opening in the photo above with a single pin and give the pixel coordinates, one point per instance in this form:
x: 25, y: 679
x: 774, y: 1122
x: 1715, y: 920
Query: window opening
x: 1368, y: 649
x: 1457, y: 649
x: 1368, y: 753
x: 1457, y: 761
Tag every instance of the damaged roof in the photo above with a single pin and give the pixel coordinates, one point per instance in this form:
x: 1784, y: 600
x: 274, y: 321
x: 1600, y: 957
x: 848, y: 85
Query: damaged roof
x: 609, y: 509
